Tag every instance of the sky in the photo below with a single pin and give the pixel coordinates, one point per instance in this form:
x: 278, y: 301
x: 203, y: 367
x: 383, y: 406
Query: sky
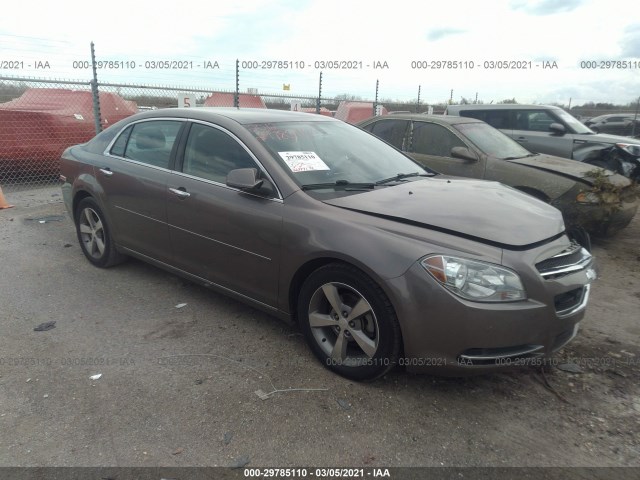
x: 437, y: 47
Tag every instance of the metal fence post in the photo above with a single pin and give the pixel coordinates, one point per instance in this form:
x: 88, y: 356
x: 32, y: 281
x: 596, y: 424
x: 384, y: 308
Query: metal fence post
x: 375, y: 103
x: 635, y: 119
x: 418, y: 105
x: 95, y: 93
x: 319, y: 94
x: 236, y: 95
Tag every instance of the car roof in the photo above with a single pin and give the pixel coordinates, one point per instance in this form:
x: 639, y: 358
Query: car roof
x: 506, y: 106
x: 240, y: 115
x: 609, y: 115
x: 441, y: 119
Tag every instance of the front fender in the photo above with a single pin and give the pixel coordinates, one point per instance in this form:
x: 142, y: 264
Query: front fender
x: 588, y: 152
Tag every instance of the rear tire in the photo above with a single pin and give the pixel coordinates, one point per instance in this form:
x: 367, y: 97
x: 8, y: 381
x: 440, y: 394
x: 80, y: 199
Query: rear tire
x: 94, y: 235
x: 349, y: 322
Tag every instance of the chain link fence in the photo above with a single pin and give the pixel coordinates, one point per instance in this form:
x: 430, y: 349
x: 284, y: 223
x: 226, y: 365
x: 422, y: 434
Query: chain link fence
x: 40, y: 118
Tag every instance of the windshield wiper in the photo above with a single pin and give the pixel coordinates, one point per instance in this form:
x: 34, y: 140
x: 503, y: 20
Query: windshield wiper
x: 402, y: 176
x: 340, y: 183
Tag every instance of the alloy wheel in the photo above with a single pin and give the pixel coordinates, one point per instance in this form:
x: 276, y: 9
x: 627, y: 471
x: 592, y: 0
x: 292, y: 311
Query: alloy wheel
x: 343, y: 324
x: 92, y: 233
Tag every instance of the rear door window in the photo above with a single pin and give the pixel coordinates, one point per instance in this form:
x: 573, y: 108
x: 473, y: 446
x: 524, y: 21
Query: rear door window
x: 533, y: 120
x: 148, y: 142
x: 392, y: 131
x: 500, y: 119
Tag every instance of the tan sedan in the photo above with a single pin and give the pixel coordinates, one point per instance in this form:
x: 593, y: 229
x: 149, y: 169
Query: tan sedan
x: 379, y: 261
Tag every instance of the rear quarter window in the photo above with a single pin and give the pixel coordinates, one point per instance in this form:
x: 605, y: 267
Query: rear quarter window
x: 101, y: 141
x: 120, y: 144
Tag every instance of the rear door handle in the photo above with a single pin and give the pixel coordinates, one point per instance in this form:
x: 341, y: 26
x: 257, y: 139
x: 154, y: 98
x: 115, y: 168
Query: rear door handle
x: 180, y: 192
x: 107, y: 171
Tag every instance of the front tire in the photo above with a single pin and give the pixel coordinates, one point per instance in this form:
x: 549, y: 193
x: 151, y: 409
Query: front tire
x: 349, y: 322
x: 94, y: 235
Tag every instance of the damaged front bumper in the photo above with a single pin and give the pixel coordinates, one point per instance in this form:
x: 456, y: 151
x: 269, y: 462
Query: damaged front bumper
x: 599, y: 218
x: 453, y: 336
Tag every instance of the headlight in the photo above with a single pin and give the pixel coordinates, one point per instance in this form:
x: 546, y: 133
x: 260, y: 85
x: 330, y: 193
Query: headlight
x: 588, y: 197
x: 631, y: 148
x: 473, y: 280
x: 603, y: 197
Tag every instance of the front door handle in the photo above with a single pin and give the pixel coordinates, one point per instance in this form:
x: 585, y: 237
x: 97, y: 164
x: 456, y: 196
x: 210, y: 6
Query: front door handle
x: 180, y: 192
x: 107, y: 171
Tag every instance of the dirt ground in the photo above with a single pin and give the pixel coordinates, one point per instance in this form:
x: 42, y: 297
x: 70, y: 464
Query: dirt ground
x: 178, y: 385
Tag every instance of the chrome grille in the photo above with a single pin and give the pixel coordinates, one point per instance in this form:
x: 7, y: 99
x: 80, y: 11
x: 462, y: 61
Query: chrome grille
x: 572, y: 259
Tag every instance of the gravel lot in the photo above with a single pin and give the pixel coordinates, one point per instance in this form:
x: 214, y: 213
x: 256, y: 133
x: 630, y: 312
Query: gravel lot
x: 178, y: 385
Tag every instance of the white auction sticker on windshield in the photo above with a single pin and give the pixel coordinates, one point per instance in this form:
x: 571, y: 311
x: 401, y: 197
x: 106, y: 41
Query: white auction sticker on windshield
x: 303, y: 161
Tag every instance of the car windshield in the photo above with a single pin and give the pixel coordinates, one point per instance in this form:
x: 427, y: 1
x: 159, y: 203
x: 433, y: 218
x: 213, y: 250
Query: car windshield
x: 492, y: 141
x: 574, y: 123
x: 316, y: 153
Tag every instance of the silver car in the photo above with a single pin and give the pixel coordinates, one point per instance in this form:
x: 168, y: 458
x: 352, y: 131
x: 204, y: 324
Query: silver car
x: 617, y: 124
x: 541, y: 128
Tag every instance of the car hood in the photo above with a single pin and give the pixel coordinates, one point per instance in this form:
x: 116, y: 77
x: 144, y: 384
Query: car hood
x: 607, y: 138
x: 568, y: 168
x: 484, y: 211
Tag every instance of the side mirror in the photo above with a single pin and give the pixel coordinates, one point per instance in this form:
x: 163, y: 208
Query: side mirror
x: 464, y: 153
x: 247, y: 180
x: 244, y: 179
x: 557, y: 128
